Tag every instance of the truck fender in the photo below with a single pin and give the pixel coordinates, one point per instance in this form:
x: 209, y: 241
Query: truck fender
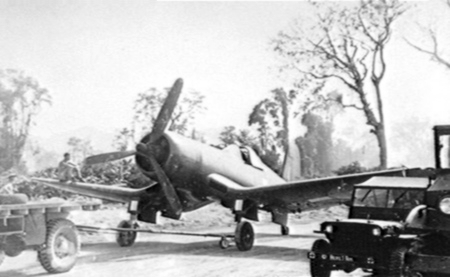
x: 416, y: 217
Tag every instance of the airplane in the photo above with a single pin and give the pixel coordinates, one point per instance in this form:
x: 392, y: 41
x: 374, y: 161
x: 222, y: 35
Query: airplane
x: 190, y: 174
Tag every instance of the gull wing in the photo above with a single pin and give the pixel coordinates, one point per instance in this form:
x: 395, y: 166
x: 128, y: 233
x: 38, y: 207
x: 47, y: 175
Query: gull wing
x: 107, y: 192
x: 297, y: 195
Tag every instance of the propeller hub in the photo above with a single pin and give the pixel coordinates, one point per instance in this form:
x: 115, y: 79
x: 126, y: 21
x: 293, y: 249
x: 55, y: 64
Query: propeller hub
x: 141, y: 148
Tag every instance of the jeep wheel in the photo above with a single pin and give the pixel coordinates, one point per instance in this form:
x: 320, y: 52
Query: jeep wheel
x: 397, y: 262
x: 319, y: 268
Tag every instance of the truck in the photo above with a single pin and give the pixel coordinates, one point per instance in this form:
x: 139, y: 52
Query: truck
x: 42, y: 226
x: 397, y: 226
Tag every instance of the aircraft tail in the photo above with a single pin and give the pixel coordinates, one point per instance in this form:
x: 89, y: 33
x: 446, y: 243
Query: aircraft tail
x: 107, y: 192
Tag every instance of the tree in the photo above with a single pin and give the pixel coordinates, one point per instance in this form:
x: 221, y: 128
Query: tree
x: 80, y: 148
x: 343, y: 46
x: 148, y: 104
x: 269, y: 156
x: 21, y: 99
x: 434, y: 40
x: 146, y: 108
x: 316, y: 146
x: 272, y: 115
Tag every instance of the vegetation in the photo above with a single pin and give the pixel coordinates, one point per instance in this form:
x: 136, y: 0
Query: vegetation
x: 21, y: 99
x: 342, y: 46
x: 434, y: 38
x: 146, y: 107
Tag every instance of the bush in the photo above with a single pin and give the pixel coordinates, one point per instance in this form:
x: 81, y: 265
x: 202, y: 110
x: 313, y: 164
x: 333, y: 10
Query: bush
x: 354, y: 167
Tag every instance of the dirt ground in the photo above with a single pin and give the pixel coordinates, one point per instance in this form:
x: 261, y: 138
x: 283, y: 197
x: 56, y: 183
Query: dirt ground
x: 173, y: 255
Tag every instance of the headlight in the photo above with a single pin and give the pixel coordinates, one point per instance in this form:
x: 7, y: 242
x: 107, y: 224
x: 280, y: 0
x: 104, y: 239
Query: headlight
x: 376, y: 231
x: 444, y: 205
x: 329, y: 229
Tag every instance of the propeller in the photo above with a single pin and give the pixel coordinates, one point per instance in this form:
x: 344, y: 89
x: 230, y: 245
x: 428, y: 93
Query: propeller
x: 108, y: 157
x: 148, y: 149
x: 160, y: 124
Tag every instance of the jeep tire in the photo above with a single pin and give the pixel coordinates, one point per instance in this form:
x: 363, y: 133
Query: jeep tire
x: 319, y: 268
x: 397, y: 262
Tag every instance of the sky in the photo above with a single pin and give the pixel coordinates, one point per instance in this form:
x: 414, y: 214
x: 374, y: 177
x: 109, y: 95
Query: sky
x: 94, y: 57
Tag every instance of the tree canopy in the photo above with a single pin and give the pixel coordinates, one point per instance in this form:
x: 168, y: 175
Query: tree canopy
x: 21, y: 99
x: 340, y: 49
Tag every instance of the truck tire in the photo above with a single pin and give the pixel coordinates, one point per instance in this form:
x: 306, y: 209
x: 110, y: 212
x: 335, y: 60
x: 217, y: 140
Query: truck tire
x: 316, y: 266
x: 10, y: 199
x: 59, y: 253
x: 397, y: 262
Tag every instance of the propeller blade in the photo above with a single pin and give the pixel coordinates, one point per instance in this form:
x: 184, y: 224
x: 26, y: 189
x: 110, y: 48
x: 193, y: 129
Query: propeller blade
x: 174, y: 208
x: 166, y: 111
x: 107, y: 157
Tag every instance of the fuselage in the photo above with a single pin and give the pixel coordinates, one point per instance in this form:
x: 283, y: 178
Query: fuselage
x: 188, y: 163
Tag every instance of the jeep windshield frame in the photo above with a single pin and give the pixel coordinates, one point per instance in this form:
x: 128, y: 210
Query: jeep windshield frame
x: 441, y: 145
x: 383, y: 198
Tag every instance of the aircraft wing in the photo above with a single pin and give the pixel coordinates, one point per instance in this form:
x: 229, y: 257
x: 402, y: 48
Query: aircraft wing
x: 107, y: 192
x: 298, y: 195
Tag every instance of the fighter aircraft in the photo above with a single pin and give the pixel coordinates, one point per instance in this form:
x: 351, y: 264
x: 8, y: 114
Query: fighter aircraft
x: 190, y: 175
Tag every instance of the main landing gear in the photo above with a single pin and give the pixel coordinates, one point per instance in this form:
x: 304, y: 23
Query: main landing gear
x: 244, y: 237
x: 126, y: 234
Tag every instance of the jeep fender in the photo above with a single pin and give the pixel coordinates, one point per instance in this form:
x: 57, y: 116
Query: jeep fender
x: 416, y: 217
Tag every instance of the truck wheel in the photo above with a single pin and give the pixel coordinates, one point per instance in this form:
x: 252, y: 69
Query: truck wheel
x: 126, y: 238
x: 244, y: 236
x: 62, y: 244
x: 397, y: 262
x: 319, y: 268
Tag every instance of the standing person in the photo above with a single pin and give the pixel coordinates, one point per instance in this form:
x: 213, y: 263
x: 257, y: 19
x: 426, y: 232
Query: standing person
x: 8, y: 187
x: 68, y: 171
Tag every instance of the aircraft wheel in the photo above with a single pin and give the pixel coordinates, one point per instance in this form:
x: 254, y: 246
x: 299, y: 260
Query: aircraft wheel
x: 126, y: 238
x: 284, y: 230
x: 2, y: 256
x: 244, y: 236
x: 317, y: 267
x: 224, y: 243
x: 59, y: 253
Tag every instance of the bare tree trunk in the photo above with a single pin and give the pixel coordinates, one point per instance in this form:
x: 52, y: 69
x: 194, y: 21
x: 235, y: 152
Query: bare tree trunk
x: 381, y: 138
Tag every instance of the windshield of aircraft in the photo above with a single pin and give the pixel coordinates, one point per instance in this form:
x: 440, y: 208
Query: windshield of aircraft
x: 388, y: 198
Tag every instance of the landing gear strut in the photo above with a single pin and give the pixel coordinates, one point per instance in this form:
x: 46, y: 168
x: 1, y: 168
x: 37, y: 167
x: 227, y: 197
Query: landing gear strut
x: 284, y: 230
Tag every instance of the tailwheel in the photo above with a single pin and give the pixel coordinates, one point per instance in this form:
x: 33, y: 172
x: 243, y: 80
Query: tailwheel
x: 2, y: 256
x: 126, y: 238
x: 318, y: 267
x: 59, y: 252
x: 244, y: 236
x: 224, y: 243
x: 284, y: 230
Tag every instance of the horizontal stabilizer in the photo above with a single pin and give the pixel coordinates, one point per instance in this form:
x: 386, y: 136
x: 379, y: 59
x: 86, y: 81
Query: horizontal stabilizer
x: 107, y: 192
